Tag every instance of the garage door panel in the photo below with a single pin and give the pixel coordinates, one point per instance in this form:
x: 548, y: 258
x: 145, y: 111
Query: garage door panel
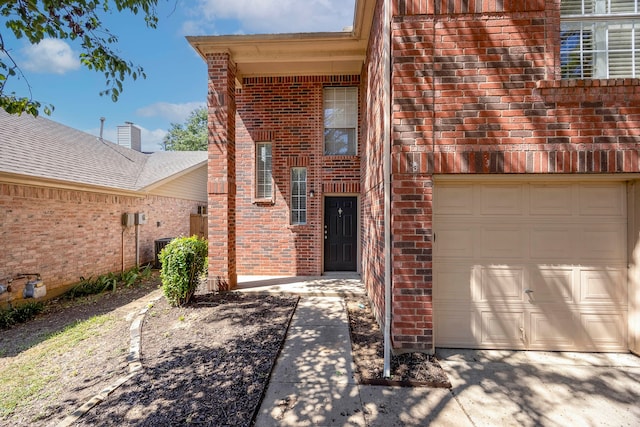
x: 456, y: 242
x: 602, y: 200
x: 456, y: 201
x: 603, y: 286
x: 458, y: 331
x: 604, y: 242
x: 551, y: 200
x: 552, y: 285
x: 502, y: 242
x: 499, y: 284
x: 604, y: 331
x: 501, y: 329
x: 454, y: 282
x: 554, y: 329
x: 503, y: 200
x: 551, y: 243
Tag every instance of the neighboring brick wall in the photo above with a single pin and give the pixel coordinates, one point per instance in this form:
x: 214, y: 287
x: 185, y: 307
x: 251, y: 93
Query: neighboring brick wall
x: 288, y: 112
x: 480, y: 93
x: 64, y: 234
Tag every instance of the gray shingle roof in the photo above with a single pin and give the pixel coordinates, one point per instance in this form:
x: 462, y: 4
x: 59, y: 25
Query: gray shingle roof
x: 41, y: 148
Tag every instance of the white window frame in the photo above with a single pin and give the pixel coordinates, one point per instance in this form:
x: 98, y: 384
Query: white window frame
x: 264, y: 171
x: 340, y: 108
x: 298, y: 196
x: 588, y: 30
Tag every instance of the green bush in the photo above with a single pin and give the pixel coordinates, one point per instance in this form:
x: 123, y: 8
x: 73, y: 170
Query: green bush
x: 107, y: 282
x: 183, y: 263
x: 19, y: 314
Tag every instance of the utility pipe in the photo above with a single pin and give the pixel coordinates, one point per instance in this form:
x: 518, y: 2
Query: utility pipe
x: 386, y: 170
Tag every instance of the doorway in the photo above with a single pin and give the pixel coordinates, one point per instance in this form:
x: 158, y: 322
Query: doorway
x: 340, y: 233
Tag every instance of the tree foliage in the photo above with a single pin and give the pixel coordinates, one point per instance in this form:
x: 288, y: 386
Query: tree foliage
x: 74, y: 20
x: 190, y: 136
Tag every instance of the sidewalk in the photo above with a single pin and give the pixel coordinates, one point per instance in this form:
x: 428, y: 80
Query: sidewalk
x: 313, y: 382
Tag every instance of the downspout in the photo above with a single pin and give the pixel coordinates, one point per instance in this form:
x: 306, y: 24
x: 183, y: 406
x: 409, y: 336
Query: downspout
x: 386, y: 170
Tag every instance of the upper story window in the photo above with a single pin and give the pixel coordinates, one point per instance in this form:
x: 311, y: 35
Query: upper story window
x: 264, y: 181
x: 600, y: 39
x: 340, y: 121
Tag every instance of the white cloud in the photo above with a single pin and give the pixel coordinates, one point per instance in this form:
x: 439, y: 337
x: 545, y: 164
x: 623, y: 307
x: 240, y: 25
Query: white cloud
x: 50, y: 56
x: 176, y: 113
x: 275, y: 16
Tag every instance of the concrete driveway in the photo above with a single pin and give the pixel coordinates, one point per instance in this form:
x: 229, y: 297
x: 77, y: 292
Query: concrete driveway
x: 499, y: 388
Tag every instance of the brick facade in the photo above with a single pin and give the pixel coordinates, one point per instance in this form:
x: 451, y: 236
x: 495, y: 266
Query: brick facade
x: 64, y: 234
x: 477, y: 91
x: 288, y: 112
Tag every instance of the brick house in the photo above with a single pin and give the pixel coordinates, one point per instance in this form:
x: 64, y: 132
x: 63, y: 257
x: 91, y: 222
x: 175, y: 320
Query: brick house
x: 476, y: 162
x: 63, y: 194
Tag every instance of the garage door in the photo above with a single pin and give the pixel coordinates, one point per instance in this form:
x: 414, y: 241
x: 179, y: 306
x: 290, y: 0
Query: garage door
x: 538, y: 266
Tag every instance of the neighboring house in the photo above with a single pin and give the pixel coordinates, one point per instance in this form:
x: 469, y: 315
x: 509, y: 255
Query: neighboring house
x: 504, y: 136
x: 63, y: 194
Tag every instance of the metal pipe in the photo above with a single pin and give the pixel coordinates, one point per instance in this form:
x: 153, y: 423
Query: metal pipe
x: 386, y: 168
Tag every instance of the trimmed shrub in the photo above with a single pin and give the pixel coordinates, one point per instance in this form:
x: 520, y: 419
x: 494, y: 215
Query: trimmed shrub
x: 183, y: 263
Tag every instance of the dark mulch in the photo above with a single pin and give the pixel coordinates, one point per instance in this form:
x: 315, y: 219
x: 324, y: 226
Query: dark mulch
x: 204, y: 364
x: 408, y: 369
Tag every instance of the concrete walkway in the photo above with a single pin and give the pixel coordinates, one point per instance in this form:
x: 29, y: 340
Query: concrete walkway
x: 313, y: 383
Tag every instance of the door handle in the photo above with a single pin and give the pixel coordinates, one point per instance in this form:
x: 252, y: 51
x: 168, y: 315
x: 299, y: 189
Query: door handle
x: 528, y: 291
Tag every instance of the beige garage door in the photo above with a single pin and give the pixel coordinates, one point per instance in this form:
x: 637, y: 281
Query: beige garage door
x: 538, y: 266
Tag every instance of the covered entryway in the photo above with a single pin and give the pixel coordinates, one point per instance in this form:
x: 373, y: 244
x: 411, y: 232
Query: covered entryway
x: 538, y: 265
x: 340, y: 234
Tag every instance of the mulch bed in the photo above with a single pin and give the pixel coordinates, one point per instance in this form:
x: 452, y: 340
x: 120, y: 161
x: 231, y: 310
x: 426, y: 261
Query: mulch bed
x: 407, y: 370
x: 204, y: 364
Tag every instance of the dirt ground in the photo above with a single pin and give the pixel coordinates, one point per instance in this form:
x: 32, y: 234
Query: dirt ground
x: 204, y: 364
x: 407, y: 370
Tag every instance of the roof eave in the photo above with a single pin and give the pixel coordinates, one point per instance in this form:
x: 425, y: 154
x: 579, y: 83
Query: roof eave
x: 34, y: 181
x: 322, y: 53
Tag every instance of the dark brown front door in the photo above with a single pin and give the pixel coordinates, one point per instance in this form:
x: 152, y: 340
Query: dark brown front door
x: 340, y: 234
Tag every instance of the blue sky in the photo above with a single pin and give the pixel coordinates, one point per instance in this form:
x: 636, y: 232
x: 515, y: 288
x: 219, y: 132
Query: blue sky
x: 176, y: 75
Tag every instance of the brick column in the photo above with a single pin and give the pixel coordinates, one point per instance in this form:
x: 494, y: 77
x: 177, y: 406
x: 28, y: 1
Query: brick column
x: 222, y: 172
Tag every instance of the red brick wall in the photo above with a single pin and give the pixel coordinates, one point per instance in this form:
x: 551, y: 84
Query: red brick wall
x: 222, y: 172
x: 286, y: 111
x: 480, y: 93
x: 373, y: 254
x: 64, y: 234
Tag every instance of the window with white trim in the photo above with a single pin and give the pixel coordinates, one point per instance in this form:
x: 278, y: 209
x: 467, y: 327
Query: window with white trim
x: 600, y: 39
x: 264, y: 181
x: 298, y: 196
x: 340, y: 121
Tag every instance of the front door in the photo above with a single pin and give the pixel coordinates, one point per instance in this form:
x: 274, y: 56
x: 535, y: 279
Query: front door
x: 340, y: 234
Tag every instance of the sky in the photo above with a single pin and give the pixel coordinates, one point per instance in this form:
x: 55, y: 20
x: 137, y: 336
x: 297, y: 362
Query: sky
x: 176, y: 76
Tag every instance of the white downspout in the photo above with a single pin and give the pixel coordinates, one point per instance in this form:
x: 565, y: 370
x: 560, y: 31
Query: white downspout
x: 386, y: 170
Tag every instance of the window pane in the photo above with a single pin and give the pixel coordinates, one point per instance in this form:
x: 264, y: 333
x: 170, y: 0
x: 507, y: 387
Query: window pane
x: 263, y: 171
x: 594, y: 47
x: 340, y: 120
x: 340, y: 142
x: 298, y: 195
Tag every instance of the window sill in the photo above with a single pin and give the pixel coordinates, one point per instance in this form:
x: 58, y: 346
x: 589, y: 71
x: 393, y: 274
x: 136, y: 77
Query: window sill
x: 264, y: 202
x: 592, y: 91
x: 586, y: 83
